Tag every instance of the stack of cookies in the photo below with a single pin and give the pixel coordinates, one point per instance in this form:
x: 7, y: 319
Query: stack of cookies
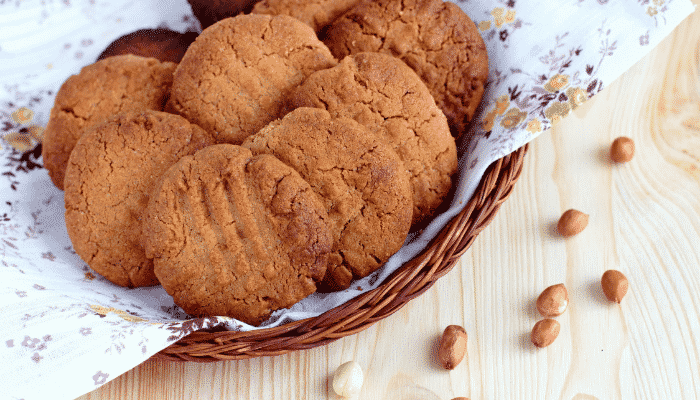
x: 261, y: 169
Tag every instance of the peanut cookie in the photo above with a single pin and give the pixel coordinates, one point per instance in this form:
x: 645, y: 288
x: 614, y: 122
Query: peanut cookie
x: 100, y: 90
x: 161, y: 44
x: 235, y: 78
x: 382, y: 93
x: 235, y: 234
x: 435, y: 38
x: 315, y: 13
x: 111, y: 172
x: 361, y: 180
x: 208, y: 12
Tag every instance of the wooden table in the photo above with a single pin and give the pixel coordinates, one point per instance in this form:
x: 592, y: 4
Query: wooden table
x: 644, y: 221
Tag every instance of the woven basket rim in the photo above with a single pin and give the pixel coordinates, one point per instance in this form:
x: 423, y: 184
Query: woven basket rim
x: 408, y: 282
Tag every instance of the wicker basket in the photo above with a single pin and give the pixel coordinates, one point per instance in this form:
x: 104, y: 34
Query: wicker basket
x: 407, y: 283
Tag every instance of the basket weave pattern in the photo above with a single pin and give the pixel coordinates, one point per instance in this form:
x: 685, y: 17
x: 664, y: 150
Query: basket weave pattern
x: 407, y: 283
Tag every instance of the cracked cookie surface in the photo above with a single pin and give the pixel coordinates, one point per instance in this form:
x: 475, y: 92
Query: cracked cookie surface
x: 235, y: 77
x: 435, y: 38
x: 101, y: 90
x: 111, y: 173
x: 382, y: 93
x: 360, y: 179
x: 315, y: 13
x: 236, y: 234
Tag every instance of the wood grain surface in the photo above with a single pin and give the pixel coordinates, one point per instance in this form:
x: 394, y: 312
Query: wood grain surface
x: 644, y: 221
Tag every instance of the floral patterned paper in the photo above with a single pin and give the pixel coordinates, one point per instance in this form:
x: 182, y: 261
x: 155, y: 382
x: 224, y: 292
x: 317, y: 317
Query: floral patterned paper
x: 67, y: 330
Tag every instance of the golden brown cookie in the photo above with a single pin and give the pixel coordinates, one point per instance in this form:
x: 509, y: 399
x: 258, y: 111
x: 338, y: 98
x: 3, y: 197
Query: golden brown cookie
x: 111, y: 172
x: 315, y: 13
x: 100, y: 90
x: 435, y: 38
x: 235, y: 234
x: 235, y: 78
x: 161, y: 44
x: 361, y: 180
x: 209, y: 12
x: 382, y: 93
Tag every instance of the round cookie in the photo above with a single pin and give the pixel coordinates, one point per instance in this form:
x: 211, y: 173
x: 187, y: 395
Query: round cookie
x: 235, y: 234
x: 161, y: 44
x: 382, y: 93
x: 235, y: 77
x: 435, y: 38
x: 209, y: 12
x: 100, y: 90
x: 111, y: 173
x: 315, y: 13
x: 361, y: 180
